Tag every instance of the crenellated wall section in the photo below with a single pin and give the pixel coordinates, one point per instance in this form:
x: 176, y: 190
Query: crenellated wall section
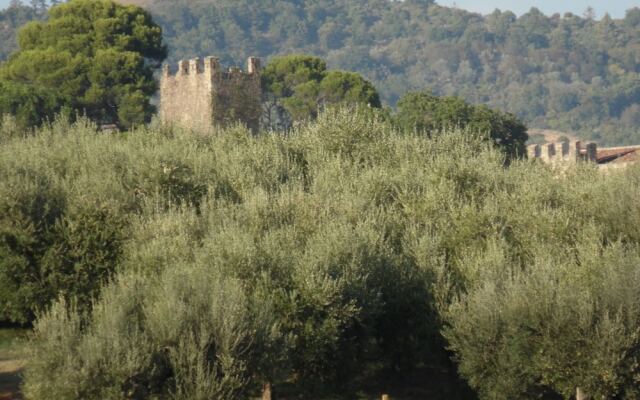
x: 201, y: 95
x: 563, y: 152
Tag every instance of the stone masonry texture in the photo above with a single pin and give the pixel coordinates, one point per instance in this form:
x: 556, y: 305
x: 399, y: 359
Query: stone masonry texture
x: 202, y: 96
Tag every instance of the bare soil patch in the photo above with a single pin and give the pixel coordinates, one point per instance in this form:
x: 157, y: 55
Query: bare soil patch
x: 12, y: 362
x: 10, y: 379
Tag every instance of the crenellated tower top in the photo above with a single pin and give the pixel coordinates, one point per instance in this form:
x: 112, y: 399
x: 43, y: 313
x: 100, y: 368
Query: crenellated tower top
x: 210, y: 66
x: 201, y: 95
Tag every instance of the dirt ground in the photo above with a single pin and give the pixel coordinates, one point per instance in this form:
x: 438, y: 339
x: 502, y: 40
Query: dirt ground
x: 12, y: 362
x: 10, y: 379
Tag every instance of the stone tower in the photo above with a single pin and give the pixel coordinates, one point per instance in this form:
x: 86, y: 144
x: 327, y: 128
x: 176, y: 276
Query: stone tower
x: 202, y: 96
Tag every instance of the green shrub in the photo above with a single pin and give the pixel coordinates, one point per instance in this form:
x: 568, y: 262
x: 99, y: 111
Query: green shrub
x: 566, y: 321
x: 318, y: 261
x: 186, y: 334
x: 49, y: 248
x: 30, y: 208
x: 9, y: 127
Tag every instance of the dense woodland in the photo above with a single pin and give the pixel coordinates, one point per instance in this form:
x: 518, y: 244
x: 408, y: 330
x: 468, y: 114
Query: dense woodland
x: 575, y: 73
x: 10, y: 20
x: 352, y: 252
x: 333, y: 261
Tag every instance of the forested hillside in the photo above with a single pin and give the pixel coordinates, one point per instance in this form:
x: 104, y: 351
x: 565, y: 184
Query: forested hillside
x: 572, y: 73
x: 10, y: 20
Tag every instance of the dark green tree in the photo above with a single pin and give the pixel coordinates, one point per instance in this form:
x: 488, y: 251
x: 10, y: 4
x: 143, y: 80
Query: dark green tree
x: 296, y: 87
x: 509, y: 62
x: 97, y: 57
x: 425, y: 112
x: 347, y: 87
x: 49, y: 248
x: 11, y: 18
x: 30, y: 104
x: 282, y: 79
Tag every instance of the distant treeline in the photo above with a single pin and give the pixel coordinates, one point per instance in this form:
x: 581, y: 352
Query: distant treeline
x: 566, y: 72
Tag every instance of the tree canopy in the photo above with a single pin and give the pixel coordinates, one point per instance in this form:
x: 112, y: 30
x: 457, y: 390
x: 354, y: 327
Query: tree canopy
x: 563, y: 72
x: 16, y: 15
x: 425, y: 112
x: 30, y: 105
x: 325, y: 261
x: 96, y: 56
x: 578, y: 74
x: 297, y: 86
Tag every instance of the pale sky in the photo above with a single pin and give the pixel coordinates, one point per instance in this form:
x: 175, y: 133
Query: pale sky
x: 616, y: 8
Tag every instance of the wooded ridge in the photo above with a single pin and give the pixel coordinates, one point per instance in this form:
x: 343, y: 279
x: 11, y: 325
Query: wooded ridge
x: 572, y: 73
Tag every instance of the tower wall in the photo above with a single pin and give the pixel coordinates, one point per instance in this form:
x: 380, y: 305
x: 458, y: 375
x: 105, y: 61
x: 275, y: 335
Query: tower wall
x: 185, y: 98
x: 202, y: 96
x: 237, y: 96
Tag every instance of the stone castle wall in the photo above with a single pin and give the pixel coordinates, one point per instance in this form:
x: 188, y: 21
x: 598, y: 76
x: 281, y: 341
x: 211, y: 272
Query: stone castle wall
x: 202, y: 96
x: 563, y: 152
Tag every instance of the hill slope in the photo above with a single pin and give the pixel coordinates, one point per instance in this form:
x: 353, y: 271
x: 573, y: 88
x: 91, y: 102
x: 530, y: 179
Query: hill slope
x: 562, y: 72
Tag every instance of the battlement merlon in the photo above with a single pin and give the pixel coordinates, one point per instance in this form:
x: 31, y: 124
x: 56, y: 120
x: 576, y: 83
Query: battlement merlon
x: 548, y: 153
x: 533, y: 151
x: 562, y: 150
x: 209, y: 66
x: 195, y: 66
x: 575, y: 150
x: 592, y: 152
x: 253, y: 65
x: 183, y: 67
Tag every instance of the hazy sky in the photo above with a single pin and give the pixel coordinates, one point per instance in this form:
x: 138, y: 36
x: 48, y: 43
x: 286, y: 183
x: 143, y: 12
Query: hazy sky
x: 614, y: 7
